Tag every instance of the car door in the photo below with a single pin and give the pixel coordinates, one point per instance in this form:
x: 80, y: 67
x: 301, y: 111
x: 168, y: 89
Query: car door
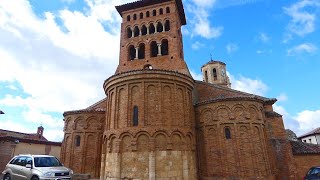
x: 26, y: 173
x: 17, y: 167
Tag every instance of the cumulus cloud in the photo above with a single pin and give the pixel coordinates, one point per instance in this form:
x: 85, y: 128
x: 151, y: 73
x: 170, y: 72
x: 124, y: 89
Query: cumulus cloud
x: 200, y: 23
x: 302, y: 48
x: 308, y: 119
x: 302, y: 17
x: 245, y: 84
x: 197, y: 45
x: 231, y: 48
x: 59, y: 60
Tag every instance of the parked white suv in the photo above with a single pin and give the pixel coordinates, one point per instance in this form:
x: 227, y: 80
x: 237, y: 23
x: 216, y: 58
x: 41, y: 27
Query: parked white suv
x: 36, y: 167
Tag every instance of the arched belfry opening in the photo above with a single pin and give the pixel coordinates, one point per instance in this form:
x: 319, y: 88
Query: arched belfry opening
x: 144, y: 30
x: 165, y: 47
x: 141, y: 52
x: 154, y: 49
x: 159, y: 27
x: 131, y: 53
x: 167, y: 25
x: 214, y: 74
x: 136, y: 31
x: 152, y: 29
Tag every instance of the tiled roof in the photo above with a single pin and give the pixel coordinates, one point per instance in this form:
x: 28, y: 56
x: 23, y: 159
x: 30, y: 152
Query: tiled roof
x: 214, y: 62
x: 21, y: 135
x: 299, y: 147
x: 313, y: 132
x: 208, y: 93
x: 26, y: 140
x: 144, y: 3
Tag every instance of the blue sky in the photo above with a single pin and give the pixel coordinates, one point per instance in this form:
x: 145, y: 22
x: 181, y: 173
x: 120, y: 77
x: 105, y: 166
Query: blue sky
x: 55, y: 55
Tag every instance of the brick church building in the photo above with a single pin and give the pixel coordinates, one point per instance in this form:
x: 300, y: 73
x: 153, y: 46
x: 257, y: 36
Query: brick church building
x: 157, y: 122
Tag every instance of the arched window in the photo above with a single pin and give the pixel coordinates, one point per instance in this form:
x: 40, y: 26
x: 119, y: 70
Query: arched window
x: 132, y: 53
x: 147, y: 14
x: 141, y: 51
x: 160, y: 11
x: 128, y: 18
x: 152, y: 29
x: 136, y: 31
x: 214, y: 73
x: 143, y: 30
x: 167, y: 25
x: 154, y: 49
x: 129, y: 32
x: 227, y: 133
x: 141, y: 15
x: 77, y: 141
x: 167, y: 10
x: 205, y: 76
x: 159, y: 27
x: 134, y: 17
x: 154, y: 13
x: 164, y: 47
x: 135, y: 116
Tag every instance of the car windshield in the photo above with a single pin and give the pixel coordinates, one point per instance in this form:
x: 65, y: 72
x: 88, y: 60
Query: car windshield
x: 46, y: 162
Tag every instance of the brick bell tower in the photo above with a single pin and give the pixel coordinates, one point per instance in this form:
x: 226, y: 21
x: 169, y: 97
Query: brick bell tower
x: 151, y: 36
x: 150, y: 126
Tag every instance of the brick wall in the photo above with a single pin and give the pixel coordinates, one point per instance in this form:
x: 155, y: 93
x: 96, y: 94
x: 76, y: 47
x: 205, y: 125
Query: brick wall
x: 84, y: 157
x: 6, y: 151
x: 304, y: 162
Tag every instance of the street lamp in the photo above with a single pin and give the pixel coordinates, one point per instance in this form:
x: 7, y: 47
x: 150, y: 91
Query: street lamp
x: 1, y: 112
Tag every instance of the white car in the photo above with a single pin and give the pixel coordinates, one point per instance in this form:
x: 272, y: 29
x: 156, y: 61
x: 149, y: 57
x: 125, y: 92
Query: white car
x: 36, y: 167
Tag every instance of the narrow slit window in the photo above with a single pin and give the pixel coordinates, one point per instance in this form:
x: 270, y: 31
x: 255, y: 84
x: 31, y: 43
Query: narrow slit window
x: 128, y: 18
x: 141, y: 15
x: 135, y: 116
x: 77, y: 141
x: 165, y: 47
x: 227, y: 133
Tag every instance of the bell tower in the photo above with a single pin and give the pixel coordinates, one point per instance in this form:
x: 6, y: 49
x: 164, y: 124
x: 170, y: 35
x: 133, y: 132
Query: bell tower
x: 215, y: 72
x: 151, y: 36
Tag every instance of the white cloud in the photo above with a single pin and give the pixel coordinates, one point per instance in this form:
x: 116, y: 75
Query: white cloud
x: 197, y: 45
x: 204, y: 3
x: 200, y: 23
x: 263, y: 37
x: 253, y: 86
x: 308, y: 119
x: 302, y: 48
x: 231, y: 48
x: 282, y: 97
x: 302, y: 19
x: 60, y: 66
x: 196, y: 76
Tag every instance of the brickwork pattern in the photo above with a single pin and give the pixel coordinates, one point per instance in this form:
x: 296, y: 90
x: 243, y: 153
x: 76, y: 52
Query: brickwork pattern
x: 160, y: 145
x: 6, y: 152
x: 244, y: 154
x: 86, y: 156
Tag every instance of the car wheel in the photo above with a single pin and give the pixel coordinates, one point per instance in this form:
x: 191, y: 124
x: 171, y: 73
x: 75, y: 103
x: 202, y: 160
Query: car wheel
x: 7, y: 177
x: 34, y: 178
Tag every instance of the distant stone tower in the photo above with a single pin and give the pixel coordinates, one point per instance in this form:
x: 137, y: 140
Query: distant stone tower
x: 150, y: 127
x: 215, y: 72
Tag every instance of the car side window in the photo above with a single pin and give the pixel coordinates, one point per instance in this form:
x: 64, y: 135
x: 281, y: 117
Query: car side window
x: 29, y: 160
x: 21, y: 161
x: 13, y: 160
